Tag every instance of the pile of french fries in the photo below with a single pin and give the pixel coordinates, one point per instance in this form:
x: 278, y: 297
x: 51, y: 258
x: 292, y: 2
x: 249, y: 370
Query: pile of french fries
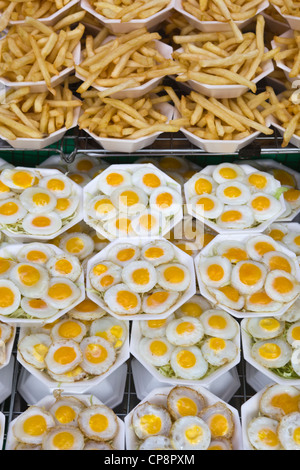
x: 128, y: 10
x: 130, y: 118
x: 289, y: 52
x: 287, y: 7
x: 273, y: 13
x: 33, y: 52
x: 35, y: 115
x: 287, y: 113
x: 126, y: 61
x: 221, y: 59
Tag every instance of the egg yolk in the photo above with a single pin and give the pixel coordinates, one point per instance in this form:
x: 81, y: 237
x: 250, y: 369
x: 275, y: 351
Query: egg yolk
x: 297, y: 240
x: 127, y: 300
x: 154, y: 252
x: 114, y: 179
x: 63, y: 266
x: 65, y: 414
x: 75, y: 245
x: 263, y: 247
x: 169, y: 162
x: 174, y: 274
x: 41, y: 221
x: 147, y: 221
x: 39, y: 352
x: 151, y: 180
x: 208, y: 204
x: 3, y: 188
x: 287, y: 403
x: 296, y: 333
x: 35, y: 425
x: 62, y: 204
x: 151, y: 424
x: 249, y: 274
x: 278, y: 262
x: 232, y: 192
x: 4, y: 265
x: 285, y: 178
x: 99, y: 269
x: 276, y: 234
x: 269, y: 437
x: 95, y: 353
x: 258, y: 181
x: 269, y: 324
x: 98, y: 422
x: 22, y: 179
x: 9, y: 208
x: 261, y: 203
x: 203, y: 186
x: 191, y: 309
x: 69, y: 329
x: 260, y: 298
x: 37, y: 303
x: 63, y: 440
x: 86, y: 306
x: 217, y: 322
x: 228, y: 173
x: 156, y: 323
x: 296, y: 436
x: 215, y: 447
x: 230, y: 292
x: 107, y: 280
x: 215, y: 272
x: 186, y: 406
x: 28, y: 275
x: 218, y: 425
x: 157, y: 298
x: 123, y: 224
x: 158, y: 348
x: 270, y: 351
x: 129, y: 198
x: 164, y: 200
x: 235, y: 254
x: 84, y: 165
x: 64, y: 355
x: 36, y: 256
x: 141, y: 276
x: 55, y: 184
x: 194, y: 434
x: 60, y: 291
x: 186, y: 359
x: 291, y: 195
x: 282, y: 285
x: 77, y: 178
x: 103, y: 206
x: 41, y: 199
x: 126, y: 254
x: 217, y: 344
x: 185, y: 328
x: 231, y: 216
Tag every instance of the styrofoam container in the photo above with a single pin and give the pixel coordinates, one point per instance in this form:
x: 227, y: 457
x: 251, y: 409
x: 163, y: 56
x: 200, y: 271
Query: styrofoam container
x: 81, y: 386
x: 25, y: 143
x: 54, y: 18
x: 181, y: 257
x: 140, y: 90
x: 40, y: 86
x: 2, y: 429
x: 229, y: 91
x: 256, y: 379
x: 293, y: 21
x: 11, y: 250
x: 132, y: 145
x: 275, y: 26
x: 89, y: 400
x: 6, y: 379
x: 91, y: 190
x: 216, y: 26
x: 9, y: 347
x: 159, y: 397
x: 208, y: 170
x: 119, y: 27
x: 27, y: 237
x: 239, y: 237
x: 280, y: 63
x: 216, y: 375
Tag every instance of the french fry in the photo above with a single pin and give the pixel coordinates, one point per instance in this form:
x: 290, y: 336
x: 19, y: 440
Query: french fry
x: 287, y: 7
x: 289, y: 52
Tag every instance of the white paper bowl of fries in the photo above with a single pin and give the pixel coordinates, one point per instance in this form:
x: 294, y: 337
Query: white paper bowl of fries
x: 289, y: 38
x: 216, y: 26
x: 292, y: 16
x: 174, y: 299
x: 244, y: 305
x: 160, y: 10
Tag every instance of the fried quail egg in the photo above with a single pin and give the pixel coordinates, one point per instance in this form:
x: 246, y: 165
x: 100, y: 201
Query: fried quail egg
x: 129, y: 199
x: 37, y: 308
x: 259, y: 245
x: 68, y: 328
x: 215, y: 271
x: 58, y: 184
x: 158, y: 252
x: 265, y: 327
x: 5, y: 191
x: 207, y: 206
x: 101, y: 208
x: 184, y: 331
x: 42, y: 224
x: 200, y: 184
x: 35, y: 252
x: 148, y: 179
x: 219, y: 323
x: 235, y: 217
x: 228, y: 296
x: 32, y: 279
x: 218, y: 351
x: 83, y: 163
x: 11, y: 211
x: 156, y: 443
x: 248, y: 276
x: 112, y: 329
x: 86, y: 310
x: 6, y: 332
x: 188, y: 363
x: 18, y: 179
x: 295, y: 361
x: 149, y: 419
x: 261, y: 181
x: 262, y: 433
x: 277, y: 260
x: 38, y: 200
x: 156, y: 351
x: 140, y: 276
x: 66, y: 206
x: 98, y: 355
x: 63, y: 356
x: 155, y: 328
x: 220, y: 444
x: 99, y: 240
x: 285, y: 177
x: 64, y: 438
x: 104, y: 275
x: 173, y: 276
x: 61, y: 293
x: 119, y: 226
x: 6, y: 266
x: 123, y: 254
x: 292, y: 198
x: 77, y: 244
x: 33, y: 349
x: 289, y: 431
x: 173, y: 163
x: 194, y: 307
x: 166, y: 200
x: 149, y: 223
x: 225, y: 172
x: 292, y: 241
x: 75, y: 375
x: 32, y: 425
x: 264, y: 206
x: 184, y: 401
x: 190, y: 433
x: 234, y: 251
x: 110, y: 180
x: 219, y: 419
x: 277, y: 231
x: 271, y: 353
x: 278, y: 400
x: 158, y: 301
x: 235, y: 193
x: 64, y: 265
x: 281, y: 286
x: 261, y: 302
x: 293, y: 335
x: 122, y: 300
x: 98, y: 422
x: 66, y: 409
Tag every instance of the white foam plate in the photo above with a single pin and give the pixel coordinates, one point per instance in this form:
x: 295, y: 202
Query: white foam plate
x: 2, y: 429
x: 6, y: 380
x: 256, y: 379
x: 280, y: 63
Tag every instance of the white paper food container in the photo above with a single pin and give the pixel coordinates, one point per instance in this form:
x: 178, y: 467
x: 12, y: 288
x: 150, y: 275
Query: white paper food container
x: 280, y: 63
x: 246, y: 345
x: 9, y: 347
x: 135, y: 339
x: 229, y: 91
x: 293, y: 21
x: 118, y: 27
x: 208, y: 170
x: 91, y: 190
x: 141, y: 90
x: 2, y: 429
x: 78, y: 216
x: 80, y: 386
x: 208, y: 250
x: 23, y: 143
x: 159, y: 397
x: 54, y: 18
x: 181, y: 257
x: 40, y: 86
x: 215, y: 26
x: 46, y: 402
x: 11, y: 250
x: 132, y: 145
